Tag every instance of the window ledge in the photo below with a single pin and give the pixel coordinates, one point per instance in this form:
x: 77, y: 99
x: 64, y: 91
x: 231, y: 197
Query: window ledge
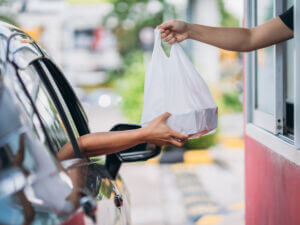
x: 274, y: 143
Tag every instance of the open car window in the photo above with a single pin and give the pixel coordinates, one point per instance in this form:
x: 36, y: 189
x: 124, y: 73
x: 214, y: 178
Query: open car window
x: 68, y: 95
x: 68, y: 98
x: 46, y: 108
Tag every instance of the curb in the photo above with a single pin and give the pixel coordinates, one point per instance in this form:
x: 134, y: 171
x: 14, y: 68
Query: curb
x: 231, y: 142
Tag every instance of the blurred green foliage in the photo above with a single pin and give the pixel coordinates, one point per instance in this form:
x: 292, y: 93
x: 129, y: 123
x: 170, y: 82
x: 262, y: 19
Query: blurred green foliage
x: 128, y: 18
x: 232, y: 102
x: 227, y: 19
x: 131, y: 86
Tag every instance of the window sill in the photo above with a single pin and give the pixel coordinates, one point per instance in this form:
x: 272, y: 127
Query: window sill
x: 274, y: 143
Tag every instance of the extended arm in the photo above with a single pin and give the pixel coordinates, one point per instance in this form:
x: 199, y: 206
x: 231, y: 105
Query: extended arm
x: 233, y: 39
x: 157, y: 132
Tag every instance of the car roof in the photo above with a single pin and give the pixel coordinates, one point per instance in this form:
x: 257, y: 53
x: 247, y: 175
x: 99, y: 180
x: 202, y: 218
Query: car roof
x: 7, y: 29
x: 26, y: 43
x: 9, y: 115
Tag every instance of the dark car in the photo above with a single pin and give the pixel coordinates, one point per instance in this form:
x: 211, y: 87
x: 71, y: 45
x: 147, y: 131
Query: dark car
x: 39, y: 114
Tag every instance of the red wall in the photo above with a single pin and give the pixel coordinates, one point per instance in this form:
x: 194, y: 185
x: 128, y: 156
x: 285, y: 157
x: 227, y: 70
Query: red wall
x: 272, y: 187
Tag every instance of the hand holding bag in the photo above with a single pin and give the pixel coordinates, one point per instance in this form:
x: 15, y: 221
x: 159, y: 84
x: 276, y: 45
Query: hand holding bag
x: 173, y: 85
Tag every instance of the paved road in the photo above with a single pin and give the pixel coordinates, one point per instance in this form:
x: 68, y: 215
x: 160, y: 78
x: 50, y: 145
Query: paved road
x: 182, y: 194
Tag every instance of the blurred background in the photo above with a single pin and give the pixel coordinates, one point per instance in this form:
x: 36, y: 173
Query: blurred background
x: 103, y: 47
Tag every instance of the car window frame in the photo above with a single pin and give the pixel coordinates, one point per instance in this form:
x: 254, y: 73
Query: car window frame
x: 74, y: 105
x: 70, y: 98
x: 57, y: 103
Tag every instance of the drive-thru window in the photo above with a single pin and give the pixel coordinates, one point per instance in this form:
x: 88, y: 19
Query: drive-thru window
x: 272, y: 122
x: 270, y: 80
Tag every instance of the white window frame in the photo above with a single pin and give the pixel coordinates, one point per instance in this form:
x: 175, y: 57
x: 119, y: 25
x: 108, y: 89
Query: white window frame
x: 296, y: 74
x: 265, y: 128
x: 272, y: 123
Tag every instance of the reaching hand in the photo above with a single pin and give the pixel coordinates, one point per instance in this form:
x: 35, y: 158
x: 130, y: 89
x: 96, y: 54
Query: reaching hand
x: 174, y: 31
x: 159, y: 133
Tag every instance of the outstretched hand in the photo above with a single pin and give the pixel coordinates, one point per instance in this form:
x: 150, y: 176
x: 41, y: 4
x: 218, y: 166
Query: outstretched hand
x: 174, y: 31
x: 159, y: 133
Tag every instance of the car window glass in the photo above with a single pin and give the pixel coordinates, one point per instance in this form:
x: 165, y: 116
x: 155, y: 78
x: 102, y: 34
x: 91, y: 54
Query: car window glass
x: 61, y: 99
x: 46, y: 107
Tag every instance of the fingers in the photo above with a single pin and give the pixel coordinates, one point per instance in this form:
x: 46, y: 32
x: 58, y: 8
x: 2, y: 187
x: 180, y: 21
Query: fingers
x: 178, y: 135
x: 169, y: 141
x: 172, y: 132
x: 169, y: 37
x: 166, y: 25
x: 165, y: 116
x: 172, y: 41
x: 176, y: 143
x: 165, y: 33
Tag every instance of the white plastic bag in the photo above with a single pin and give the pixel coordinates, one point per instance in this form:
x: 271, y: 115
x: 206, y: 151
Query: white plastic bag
x: 173, y: 85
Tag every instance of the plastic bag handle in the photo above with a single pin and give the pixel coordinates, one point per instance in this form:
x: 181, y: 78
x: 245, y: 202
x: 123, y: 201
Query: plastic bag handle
x: 157, y: 44
x: 157, y: 38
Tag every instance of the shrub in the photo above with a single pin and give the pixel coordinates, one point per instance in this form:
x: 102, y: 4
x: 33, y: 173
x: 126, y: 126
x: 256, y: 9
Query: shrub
x: 131, y: 87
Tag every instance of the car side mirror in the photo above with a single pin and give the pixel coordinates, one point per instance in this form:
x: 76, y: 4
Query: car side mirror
x: 140, y: 152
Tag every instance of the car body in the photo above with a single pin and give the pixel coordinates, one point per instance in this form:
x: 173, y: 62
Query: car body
x: 39, y: 114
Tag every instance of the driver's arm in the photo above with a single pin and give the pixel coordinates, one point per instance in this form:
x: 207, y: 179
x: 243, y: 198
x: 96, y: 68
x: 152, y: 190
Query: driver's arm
x: 156, y: 132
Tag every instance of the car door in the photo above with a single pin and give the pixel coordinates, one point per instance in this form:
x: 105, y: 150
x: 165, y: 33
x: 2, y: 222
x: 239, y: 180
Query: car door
x: 64, y: 95
x: 33, y: 187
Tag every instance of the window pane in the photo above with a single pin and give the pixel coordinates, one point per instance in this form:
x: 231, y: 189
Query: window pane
x: 51, y: 119
x: 290, y: 63
x: 290, y: 70
x: 265, y: 72
x: 61, y: 99
x: 289, y: 82
x: 47, y: 110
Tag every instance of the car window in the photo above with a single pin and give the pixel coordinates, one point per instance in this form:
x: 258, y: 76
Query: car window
x: 35, y: 124
x: 60, y: 82
x: 69, y: 98
x: 46, y: 107
x: 61, y: 99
